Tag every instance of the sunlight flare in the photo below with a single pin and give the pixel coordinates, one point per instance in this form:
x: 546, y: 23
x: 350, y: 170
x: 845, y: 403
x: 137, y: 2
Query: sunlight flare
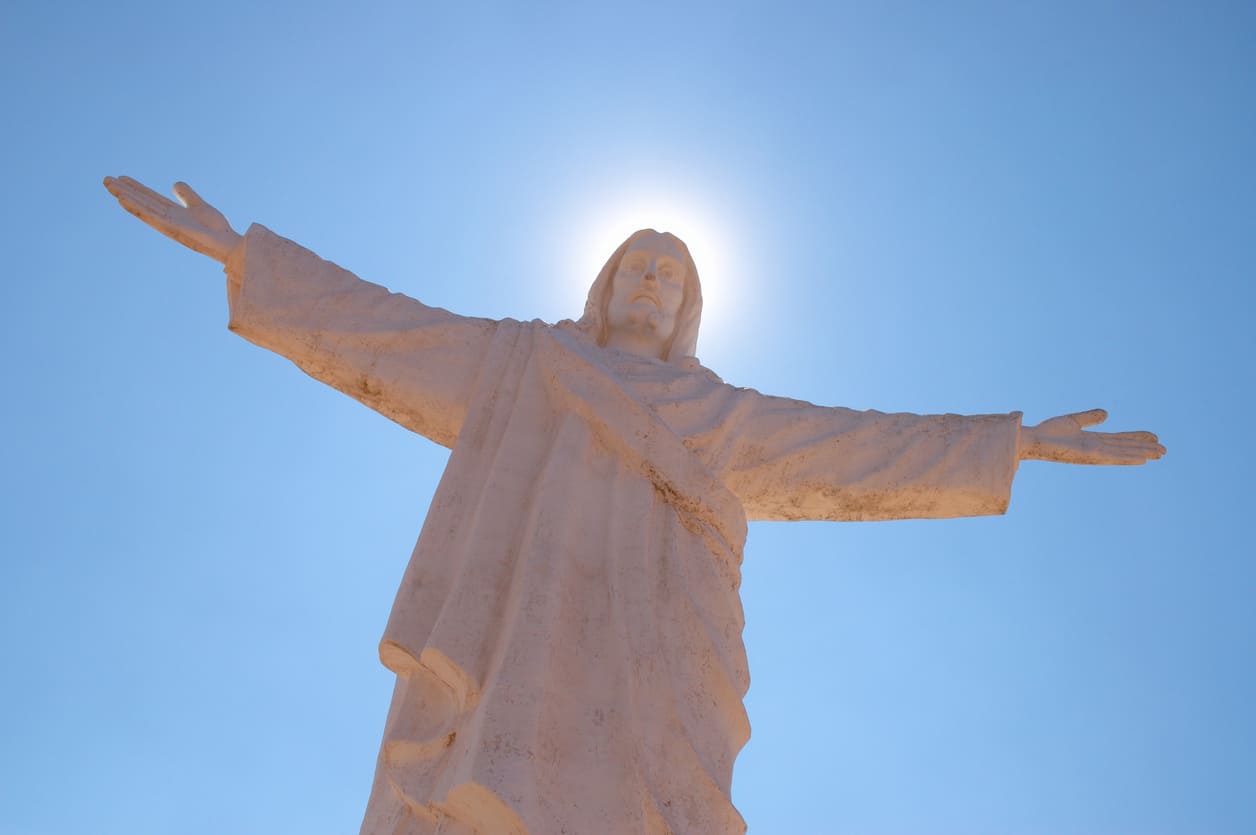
x: 695, y: 222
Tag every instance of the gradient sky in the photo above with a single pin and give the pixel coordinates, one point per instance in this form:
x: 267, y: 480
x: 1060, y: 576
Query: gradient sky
x: 971, y: 207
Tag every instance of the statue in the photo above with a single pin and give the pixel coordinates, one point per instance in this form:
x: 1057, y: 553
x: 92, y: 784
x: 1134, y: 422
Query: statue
x: 567, y: 635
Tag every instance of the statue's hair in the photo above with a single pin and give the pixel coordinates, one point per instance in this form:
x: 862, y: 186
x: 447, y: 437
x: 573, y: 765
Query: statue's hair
x: 683, y: 341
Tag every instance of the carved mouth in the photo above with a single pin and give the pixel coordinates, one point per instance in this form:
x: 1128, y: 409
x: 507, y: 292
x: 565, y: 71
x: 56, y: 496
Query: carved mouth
x: 651, y: 299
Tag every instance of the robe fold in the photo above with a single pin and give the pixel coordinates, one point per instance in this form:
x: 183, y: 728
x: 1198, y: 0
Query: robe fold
x: 567, y: 634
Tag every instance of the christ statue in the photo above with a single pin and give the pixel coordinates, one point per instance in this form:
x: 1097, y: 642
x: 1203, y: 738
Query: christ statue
x: 567, y: 637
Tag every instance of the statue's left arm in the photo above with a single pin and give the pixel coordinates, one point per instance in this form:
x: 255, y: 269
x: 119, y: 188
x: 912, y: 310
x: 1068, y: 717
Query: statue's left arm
x: 787, y: 459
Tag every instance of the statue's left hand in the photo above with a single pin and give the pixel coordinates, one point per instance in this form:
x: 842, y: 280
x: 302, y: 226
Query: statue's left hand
x: 195, y: 224
x: 1065, y: 440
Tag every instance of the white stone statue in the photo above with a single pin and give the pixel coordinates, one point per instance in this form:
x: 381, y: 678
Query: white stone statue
x: 567, y: 635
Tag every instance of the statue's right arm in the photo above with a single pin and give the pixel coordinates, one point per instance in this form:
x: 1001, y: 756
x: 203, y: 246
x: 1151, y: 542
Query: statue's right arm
x: 192, y: 222
x: 412, y: 363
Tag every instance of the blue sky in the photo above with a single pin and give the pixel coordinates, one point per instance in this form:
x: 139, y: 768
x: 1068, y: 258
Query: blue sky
x: 970, y: 207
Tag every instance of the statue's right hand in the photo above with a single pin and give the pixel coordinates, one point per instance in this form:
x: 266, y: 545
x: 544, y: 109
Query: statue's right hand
x: 195, y: 224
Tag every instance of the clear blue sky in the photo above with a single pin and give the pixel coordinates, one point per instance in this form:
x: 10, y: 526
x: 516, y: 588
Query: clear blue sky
x: 924, y: 207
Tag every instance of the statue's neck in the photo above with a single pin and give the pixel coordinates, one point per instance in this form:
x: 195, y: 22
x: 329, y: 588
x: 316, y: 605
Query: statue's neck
x: 646, y: 345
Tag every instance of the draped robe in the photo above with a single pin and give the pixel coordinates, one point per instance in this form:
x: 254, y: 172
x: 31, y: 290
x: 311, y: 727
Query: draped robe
x: 567, y: 634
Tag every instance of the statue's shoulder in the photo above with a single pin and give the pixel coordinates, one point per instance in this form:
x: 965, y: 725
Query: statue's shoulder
x: 692, y: 365
x: 576, y: 337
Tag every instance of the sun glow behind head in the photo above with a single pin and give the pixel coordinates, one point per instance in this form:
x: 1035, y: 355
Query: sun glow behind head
x: 603, y: 223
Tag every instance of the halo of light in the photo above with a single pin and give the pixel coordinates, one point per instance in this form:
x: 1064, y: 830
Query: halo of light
x: 604, y: 223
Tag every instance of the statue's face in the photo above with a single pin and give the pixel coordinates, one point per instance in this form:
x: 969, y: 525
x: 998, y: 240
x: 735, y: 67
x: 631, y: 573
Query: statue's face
x: 647, y: 291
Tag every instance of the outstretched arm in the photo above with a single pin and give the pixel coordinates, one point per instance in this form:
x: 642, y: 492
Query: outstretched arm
x: 787, y: 459
x: 1063, y: 440
x: 192, y: 222
x: 412, y: 363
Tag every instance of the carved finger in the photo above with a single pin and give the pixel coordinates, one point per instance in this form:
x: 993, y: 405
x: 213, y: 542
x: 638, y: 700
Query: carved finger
x: 201, y: 211
x: 1143, y: 448
x: 137, y: 188
x: 141, y: 196
x: 1133, y: 436
x: 1147, y: 445
x: 1091, y: 417
x: 139, y: 200
x: 146, y: 208
x: 1109, y: 454
x: 118, y: 188
x: 187, y: 196
x: 159, y: 217
x: 1127, y: 462
x: 1121, y: 438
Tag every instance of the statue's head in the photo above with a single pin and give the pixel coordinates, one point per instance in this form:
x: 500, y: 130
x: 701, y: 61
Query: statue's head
x: 648, y: 297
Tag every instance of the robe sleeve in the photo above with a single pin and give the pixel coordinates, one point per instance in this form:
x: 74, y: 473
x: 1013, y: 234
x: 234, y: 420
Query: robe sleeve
x: 791, y: 460
x: 412, y: 363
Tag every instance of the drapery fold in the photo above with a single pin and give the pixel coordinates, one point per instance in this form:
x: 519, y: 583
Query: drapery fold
x: 574, y: 590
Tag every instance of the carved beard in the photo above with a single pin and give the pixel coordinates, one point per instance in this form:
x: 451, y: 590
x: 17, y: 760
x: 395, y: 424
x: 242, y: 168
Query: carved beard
x: 643, y: 318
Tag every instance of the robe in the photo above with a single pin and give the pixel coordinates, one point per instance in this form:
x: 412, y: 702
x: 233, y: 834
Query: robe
x: 567, y: 634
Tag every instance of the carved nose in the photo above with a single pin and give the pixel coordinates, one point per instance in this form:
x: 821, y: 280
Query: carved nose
x: 649, y: 275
